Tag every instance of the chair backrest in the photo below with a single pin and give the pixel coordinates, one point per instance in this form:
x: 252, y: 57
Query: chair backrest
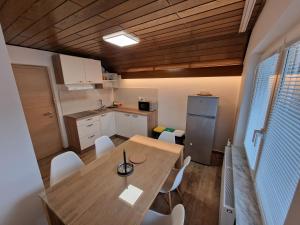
x: 179, y: 175
x: 64, y: 165
x: 167, y: 137
x: 103, y: 144
x: 177, y: 215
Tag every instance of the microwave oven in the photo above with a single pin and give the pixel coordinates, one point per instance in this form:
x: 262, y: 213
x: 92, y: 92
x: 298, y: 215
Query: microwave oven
x: 147, y: 106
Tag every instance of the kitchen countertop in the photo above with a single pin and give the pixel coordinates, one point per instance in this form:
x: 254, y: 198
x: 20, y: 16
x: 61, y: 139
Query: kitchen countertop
x: 246, y: 205
x: 91, y: 113
x: 131, y: 110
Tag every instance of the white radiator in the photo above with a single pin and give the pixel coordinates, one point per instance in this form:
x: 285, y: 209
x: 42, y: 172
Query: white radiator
x: 227, y: 212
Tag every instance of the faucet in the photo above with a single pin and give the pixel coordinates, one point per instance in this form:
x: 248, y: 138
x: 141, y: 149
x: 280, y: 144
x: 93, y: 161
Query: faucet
x: 101, y: 106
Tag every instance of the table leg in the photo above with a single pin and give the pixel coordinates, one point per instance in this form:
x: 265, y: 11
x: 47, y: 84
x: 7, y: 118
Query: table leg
x: 51, y: 217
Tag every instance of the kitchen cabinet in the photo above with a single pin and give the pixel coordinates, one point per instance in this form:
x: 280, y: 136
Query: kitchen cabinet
x: 72, y: 69
x: 139, y: 125
x: 83, y: 130
x: 107, y: 124
x: 123, y: 124
x: 77, y: 70
x: 128, y: 125
x: 82, y: 133
x: 93, y: 72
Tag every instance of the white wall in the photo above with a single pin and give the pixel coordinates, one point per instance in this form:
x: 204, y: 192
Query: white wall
x: 172, y: 100
x: 66, y: 102
x: 277, y: 24
x: 129, y: 97
x: 78, y: 101
x: 20, y: 179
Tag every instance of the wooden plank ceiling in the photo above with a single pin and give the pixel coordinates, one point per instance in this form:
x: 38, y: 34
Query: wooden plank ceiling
x: 173, y: 33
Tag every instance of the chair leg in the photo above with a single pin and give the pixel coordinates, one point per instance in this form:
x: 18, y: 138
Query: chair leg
x: 179, y: 193
x: 170, y: 201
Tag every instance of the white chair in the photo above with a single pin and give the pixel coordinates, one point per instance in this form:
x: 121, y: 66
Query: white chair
x: 103, y: 144
x: 167, y: 137
x: 175, y: 218
x: 64, y: 165
x: 174, y: 180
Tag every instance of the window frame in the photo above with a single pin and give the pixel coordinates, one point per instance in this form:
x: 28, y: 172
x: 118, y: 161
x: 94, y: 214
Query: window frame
x: 274, y: 88
x: 282, y: 57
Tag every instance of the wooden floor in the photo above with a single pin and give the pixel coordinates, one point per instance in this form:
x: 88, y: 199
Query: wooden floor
x: 200, y: 188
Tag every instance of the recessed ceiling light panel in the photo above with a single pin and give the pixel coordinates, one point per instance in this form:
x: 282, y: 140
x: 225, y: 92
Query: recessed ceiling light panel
x: 121, y: 39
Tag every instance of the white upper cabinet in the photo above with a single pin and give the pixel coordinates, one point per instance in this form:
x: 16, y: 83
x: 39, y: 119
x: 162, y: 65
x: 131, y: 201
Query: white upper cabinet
x: 72, y: 69
x: 93, y: 72
x: 76, y: 70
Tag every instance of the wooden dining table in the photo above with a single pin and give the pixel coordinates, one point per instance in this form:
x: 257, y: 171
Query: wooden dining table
x: 90, y: 196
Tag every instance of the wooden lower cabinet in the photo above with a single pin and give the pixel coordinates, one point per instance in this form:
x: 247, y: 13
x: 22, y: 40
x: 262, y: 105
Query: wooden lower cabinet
x: 83, y: 132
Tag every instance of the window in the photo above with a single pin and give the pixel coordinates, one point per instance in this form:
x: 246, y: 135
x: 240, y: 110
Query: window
x: 278, y: 170
x: 265, y: 80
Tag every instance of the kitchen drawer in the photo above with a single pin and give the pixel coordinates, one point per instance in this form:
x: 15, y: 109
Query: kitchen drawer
x: 88, y: 128
x: 87, y: 121
x: 89, y: 140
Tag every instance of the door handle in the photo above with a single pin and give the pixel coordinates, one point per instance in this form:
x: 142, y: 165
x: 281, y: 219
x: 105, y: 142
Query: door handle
x: 48, y: 114
x: 91, y: 136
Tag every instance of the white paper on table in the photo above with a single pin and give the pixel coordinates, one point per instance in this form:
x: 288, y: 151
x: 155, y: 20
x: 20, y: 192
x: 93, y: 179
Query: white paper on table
x: 131, y: 194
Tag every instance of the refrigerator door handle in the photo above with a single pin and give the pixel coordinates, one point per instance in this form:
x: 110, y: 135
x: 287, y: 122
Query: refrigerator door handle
x: 205, y: 116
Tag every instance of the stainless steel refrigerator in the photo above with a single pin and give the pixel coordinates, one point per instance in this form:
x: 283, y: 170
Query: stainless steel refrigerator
x: 200, y: 127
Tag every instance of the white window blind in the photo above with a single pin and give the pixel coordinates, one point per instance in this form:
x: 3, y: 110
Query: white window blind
x: 278, y: 170
x: 262, y: 94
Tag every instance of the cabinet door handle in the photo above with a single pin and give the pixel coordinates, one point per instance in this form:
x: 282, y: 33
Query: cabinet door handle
x: 135, y: 116
x: 91, y: 136
x: 103, y: 115
x: 89, y: 125
x: 127, y: 114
